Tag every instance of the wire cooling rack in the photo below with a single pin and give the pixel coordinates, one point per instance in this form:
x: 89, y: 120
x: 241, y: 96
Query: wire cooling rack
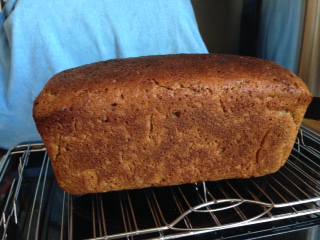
x: 33, y: 206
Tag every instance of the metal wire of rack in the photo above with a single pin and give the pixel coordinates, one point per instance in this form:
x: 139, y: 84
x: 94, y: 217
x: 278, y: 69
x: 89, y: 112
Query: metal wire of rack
x: 33, y: 206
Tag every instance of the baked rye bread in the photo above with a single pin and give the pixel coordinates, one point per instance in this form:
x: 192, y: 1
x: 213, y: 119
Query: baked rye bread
x: 168, y: 120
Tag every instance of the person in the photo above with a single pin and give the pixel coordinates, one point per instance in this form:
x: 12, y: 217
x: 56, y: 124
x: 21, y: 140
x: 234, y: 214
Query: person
x: 41, y: 38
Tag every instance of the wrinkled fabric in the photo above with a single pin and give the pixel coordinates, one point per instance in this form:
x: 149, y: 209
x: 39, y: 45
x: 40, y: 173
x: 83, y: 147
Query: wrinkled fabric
x: 281, y: 30
x: 41, y: 38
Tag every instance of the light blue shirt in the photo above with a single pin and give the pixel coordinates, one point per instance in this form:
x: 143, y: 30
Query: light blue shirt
x: 41, y: 38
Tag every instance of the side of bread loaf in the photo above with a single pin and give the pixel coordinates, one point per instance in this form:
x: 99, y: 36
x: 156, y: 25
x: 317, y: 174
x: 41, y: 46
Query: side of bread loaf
x: 167, y: 120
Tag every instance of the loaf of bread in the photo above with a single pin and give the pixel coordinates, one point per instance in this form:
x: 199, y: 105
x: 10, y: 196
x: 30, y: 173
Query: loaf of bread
x: 169, y: 120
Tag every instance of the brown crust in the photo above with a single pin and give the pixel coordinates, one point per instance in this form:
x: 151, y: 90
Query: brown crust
x: 168, y: 120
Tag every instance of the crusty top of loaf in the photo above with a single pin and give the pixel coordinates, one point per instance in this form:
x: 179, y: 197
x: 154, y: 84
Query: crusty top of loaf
x: 171, y: 72
x: 164, y: 120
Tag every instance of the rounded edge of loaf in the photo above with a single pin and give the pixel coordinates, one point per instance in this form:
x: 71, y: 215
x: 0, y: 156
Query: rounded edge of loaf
x: 129, y: 73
